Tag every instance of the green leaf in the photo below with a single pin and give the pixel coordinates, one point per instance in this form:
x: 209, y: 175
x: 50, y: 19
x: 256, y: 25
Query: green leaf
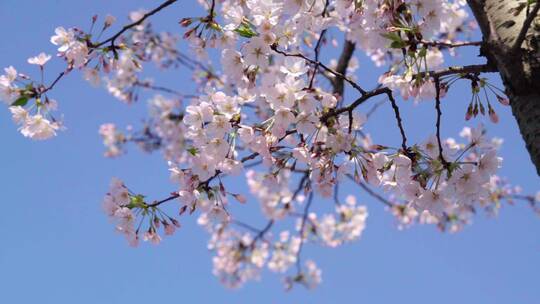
x: 392, y: 36
x: 136, y: 201
x: 193, y: 151
x: 398, y: 45
x: 22, y: 101
x: 422, y: 53
x: 245, y: 31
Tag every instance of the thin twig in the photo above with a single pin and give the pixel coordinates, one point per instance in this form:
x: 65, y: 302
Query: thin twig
x: 318, y: 48
x: 62, y: 74
x: 438, y: 124
x: 112, y: 39
x: 150, y: 86
x: 302, y: 227
x: 371, y: 192
x: 134, y: 24
x: 399, y: 121
x: 263, y: 231
x: 170, y: 198
x: 326, y: 68
x: 356, y: 103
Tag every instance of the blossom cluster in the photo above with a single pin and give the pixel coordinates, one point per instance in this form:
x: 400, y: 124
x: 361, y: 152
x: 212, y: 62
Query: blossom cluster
x: 268, y: 104
x: 35, y: 120
x: 346, y: 225
x: 272, y: 113
x: 125, y: 209
x: 450, y: 188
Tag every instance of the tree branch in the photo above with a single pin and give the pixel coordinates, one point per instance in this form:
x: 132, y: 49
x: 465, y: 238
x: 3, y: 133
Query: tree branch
x: 399, y: 121
x: 451, y: 44
x: 371, y: 192
x: 149, y: 86
x: 475, y: 69
x: 438, y: 123
x: 302, y: 228
x: 343, y: 63
x: 356, y: 103
x: 134, y: 24
x: 526, y: 25
x: 318, y: 48
x: 326, y: 68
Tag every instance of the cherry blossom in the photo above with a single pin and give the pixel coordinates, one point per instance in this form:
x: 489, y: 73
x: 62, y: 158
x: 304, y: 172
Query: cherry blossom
x: 269, y: 113
x: 40, y: 59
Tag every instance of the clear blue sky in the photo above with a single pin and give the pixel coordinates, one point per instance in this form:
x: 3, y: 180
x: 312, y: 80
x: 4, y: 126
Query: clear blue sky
x: 58, y: 246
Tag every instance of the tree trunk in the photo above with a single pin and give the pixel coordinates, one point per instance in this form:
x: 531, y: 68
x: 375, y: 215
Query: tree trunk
x: 517, y: 57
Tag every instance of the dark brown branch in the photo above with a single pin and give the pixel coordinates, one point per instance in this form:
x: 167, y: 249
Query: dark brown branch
x: 212, y: 8
x: 399, y: 121
x: 301, y: 185
x: 475, y: 69
x: 112, y: 39
x: 302, y: 228
x: 526, y: 25
x: 205, y: 184
x: 326, y: 68
x: 371, y: 192
x: 134, y: 24
x: 450, y: 44
x: 318, y: 48
x: 244, y: 225
x: 62, y: 74
x: 438, y: 124
x: 489, y: 32
x: 374, y: 108
x: 343, y: 63
x: 356, y: 103
x: 263, y: 231
x: 170, y: 198
x: 150, y: 86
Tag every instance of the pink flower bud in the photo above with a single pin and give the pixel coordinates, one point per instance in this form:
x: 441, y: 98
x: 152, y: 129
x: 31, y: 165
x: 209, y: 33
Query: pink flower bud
x: 185, y: 22
x: 493, y: 116
x: 175, y: 223
x: 188, y: 33
x: 169, y: 229
x: 240, y: 198
x: 468, y: 115
x: 109, y: 20
x: 222, y: 189
x: 503, y: 100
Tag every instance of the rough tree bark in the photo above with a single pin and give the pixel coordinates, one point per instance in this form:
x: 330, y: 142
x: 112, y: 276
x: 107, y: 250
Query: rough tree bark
x: 511, y: 42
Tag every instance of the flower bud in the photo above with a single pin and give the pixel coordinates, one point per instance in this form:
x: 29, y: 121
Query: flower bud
x: 175, y: 223
x: 185, y: 22
x: 503, y: 100
x: 493, y: 115
x: 240, y: 198
x: 189, y: 33
x: 109, y: 20
x: 469, y: 113
x: 169, y: 229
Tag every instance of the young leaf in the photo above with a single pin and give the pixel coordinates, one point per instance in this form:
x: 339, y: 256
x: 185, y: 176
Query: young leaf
x: 22, y: 101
